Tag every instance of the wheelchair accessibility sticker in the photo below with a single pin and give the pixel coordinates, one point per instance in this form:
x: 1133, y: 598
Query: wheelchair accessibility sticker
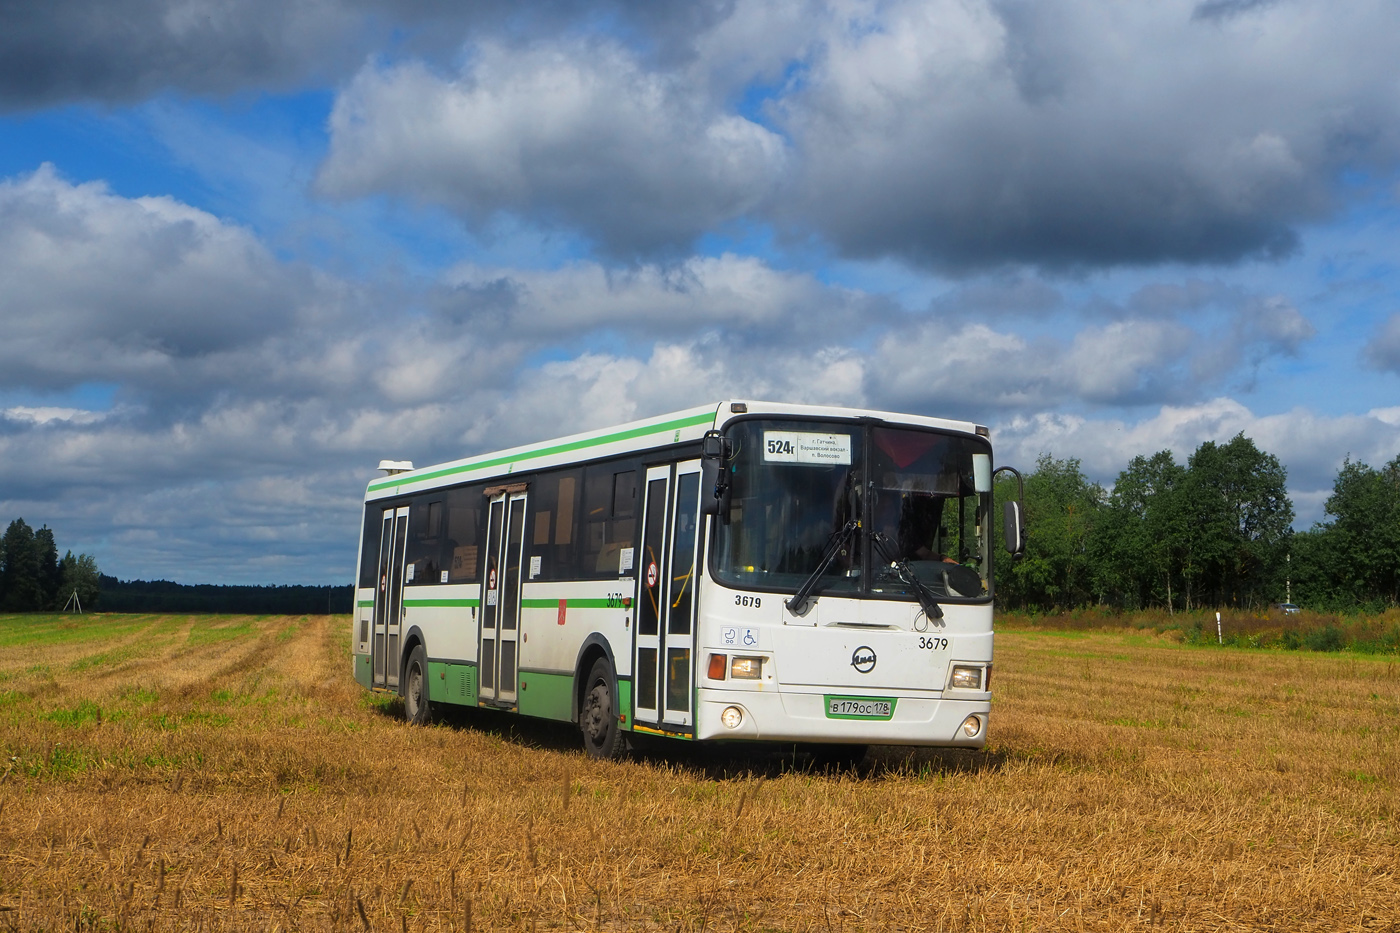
x: 734, y: 636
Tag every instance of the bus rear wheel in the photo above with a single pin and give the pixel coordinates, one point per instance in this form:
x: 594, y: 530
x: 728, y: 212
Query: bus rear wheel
x: 597, y: 715
x: 416, y: 707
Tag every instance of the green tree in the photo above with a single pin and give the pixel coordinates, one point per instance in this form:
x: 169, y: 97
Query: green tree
x: 1238, y: 528
x: 80, y: 575
x: 1062, y: 510
x: 1355, y: 557
x: 1139, y: 540
x: 49, y: 579
x: 23, y: 583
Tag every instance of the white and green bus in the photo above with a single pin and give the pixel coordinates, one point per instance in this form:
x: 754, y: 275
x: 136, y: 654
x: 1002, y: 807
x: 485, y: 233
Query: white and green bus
x: 741, y: 571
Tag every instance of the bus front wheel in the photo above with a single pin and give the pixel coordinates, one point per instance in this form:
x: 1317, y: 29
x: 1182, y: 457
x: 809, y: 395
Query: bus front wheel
x: 597, y: 718
x: 416, y: 707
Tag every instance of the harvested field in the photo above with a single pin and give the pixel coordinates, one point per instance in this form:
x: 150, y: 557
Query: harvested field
x: 214, y: 773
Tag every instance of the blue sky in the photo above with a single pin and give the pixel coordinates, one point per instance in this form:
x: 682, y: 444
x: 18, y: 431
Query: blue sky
x: 249, y: 249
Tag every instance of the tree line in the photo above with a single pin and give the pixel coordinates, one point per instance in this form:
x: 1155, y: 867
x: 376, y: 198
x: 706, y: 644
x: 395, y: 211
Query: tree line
x: 33, y: 578
x: 1215, y: 531
x: 165, y: 596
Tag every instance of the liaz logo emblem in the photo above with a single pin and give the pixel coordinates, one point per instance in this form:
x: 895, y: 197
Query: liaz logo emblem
x: 863, y: 659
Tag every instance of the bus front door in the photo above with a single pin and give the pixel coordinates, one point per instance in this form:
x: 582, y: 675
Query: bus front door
x: 388, y: 598
x: 664, y: 663
x: 500, y: 616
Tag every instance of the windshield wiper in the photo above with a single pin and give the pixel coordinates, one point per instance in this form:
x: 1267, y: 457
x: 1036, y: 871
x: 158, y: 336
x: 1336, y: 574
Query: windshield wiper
x: 907, y: 576
x: 838, y: 540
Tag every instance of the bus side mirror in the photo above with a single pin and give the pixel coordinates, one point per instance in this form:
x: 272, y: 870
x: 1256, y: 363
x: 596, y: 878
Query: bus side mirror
x: 715, y: 452
x: 1013, y: 529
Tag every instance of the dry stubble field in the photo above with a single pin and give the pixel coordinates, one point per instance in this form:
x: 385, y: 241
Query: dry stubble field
x: 225, y: 773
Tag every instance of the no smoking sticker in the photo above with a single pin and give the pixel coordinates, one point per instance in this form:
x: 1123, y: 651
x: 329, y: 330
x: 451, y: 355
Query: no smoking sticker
x: 651, y: 574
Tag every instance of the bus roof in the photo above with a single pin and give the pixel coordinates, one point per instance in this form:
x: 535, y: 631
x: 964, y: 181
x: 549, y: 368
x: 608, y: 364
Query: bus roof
x: 677, y: 427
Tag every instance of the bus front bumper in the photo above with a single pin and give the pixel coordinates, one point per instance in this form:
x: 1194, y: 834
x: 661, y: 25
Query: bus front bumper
x: 808, y: 717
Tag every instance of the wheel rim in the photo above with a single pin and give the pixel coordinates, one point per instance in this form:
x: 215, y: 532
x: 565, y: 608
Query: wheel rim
x: 414, y: 695
x: 596, y: 714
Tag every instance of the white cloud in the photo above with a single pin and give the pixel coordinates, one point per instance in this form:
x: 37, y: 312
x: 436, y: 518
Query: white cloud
x: 99, y: 287
x: 1121, y: 363
x: 573, y: 132
x: 702, y: 293
x: 44, y: 414
x: 1311, y: 445
x: 1070, y: 133
x: 1124, y: 360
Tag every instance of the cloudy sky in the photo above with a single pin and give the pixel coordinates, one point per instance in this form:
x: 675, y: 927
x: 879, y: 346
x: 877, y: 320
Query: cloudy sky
x: 248, y: 248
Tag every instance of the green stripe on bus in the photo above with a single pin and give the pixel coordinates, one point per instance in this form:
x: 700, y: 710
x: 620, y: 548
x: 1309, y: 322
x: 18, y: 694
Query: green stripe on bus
x: 365, y: 604
x: 447, y: 603
x: 570, y: 603
x: 545, y: 451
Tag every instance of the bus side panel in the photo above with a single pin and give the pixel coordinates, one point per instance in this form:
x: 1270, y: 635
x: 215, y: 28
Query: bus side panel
x: 450, y: 682
x: 548, y: 696
x: 555, y: 620
x: 361, y: 626
x: 446, y: 617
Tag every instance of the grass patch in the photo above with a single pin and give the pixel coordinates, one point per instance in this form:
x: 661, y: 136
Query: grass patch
x: 1131, y: 782
x: 85, y: 712
x: 138, y: 695
x: 216, y: 629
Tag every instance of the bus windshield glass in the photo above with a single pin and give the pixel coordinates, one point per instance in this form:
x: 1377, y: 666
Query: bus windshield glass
x: 796, y: 485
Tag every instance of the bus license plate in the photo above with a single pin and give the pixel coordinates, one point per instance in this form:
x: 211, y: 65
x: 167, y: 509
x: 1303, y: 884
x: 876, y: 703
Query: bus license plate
x: 859, y: 708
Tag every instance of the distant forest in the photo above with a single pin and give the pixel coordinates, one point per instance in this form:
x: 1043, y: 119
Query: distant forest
x: 1213, y: 532
x: 163, y: 596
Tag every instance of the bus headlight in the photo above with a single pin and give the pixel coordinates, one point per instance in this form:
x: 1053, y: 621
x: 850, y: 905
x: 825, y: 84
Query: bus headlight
x: 746, y: 668
x: 966, y: 678
x: 971, y: 726
x: 731, y: 717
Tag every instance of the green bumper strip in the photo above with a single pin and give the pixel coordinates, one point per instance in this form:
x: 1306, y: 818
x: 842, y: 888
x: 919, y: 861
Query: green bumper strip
x: 452, y: 683
x: 549, y: 696
x: 443, y: 603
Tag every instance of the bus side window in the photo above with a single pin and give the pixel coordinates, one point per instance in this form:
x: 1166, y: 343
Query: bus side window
x: 423, y: 563
x: 369, y: 550
x: 464, y: 514
x: 609, y: 515
x: 553, y: 531
x: 622, y: 530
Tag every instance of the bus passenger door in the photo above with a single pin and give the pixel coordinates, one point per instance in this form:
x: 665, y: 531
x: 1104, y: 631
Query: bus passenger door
x: 388, y: 598
x: 498, y: 657
x: 664, y: 664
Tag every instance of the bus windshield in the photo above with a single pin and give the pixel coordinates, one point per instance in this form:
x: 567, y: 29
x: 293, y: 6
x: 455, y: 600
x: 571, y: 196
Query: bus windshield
x: 795, y: 486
